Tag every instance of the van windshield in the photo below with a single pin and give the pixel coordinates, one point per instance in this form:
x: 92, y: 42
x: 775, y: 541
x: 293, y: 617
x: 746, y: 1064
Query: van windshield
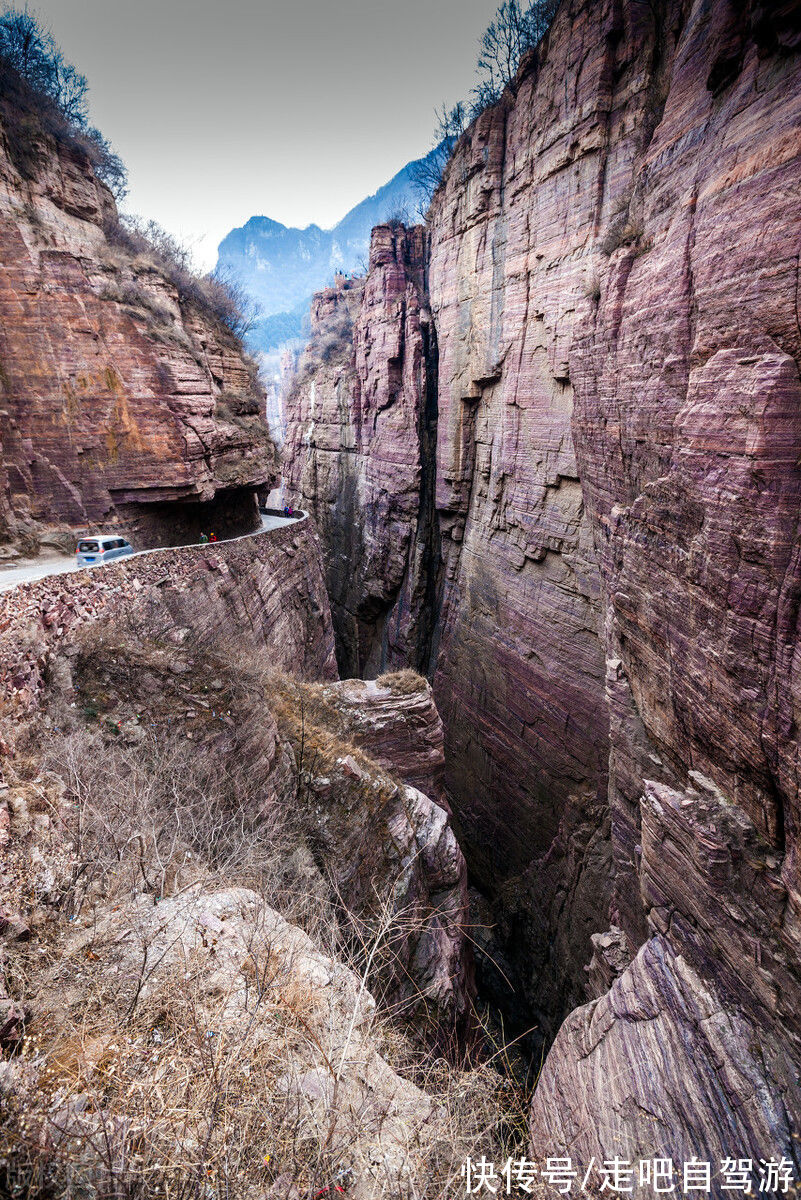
x: 87, y: 547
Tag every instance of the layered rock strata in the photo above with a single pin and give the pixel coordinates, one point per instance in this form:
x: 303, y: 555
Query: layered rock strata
x: 117, y: 393
x: 396, y: 721
x: 360, y: 441
x: 687, y: 430
x: 384, y: 834
x: 612, y: 272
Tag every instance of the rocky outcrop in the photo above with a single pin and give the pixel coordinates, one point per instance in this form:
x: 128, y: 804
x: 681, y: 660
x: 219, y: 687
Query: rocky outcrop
x: 612, y: 271
x: 387, y: 843
x: 618, y: 1079
x: 118, y: 394
x: 226, y: 910
x: 362, y: 451
x: 148, y: 648
x: 514, y: 624
x: 270, y: 1010
x: 396, y: 721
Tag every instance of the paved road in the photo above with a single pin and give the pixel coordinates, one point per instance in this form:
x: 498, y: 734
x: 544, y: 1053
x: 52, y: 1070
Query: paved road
x: 58, y: 564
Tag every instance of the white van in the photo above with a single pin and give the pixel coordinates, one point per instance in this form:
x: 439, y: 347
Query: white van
x: 92, y: 551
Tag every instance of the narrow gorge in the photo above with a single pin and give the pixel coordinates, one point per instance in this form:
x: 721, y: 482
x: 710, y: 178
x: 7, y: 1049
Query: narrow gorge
x: 204, y: 833
x: 552, y: 445
x: 451, y: 812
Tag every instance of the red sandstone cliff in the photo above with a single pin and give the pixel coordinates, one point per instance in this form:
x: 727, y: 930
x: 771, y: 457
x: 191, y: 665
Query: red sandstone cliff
x: 687, y: 421
x: 612, y: 274
x: 114, y: 395
x: 356, y: 452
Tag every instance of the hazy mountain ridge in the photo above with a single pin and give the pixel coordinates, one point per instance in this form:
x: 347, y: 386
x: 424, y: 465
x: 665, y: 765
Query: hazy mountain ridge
x: 282, y: 266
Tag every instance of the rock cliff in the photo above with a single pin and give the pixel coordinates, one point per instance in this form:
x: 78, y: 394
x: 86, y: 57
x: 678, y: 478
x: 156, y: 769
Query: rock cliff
x: 118, y: 394
x: 356, y: 443
x: 610, y: 290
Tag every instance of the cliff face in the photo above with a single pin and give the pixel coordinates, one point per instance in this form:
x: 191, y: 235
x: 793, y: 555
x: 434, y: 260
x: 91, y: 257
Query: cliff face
x: 355, y: 453
x: 687, y: 428
x: 612, y: 272
x: 115, y: 397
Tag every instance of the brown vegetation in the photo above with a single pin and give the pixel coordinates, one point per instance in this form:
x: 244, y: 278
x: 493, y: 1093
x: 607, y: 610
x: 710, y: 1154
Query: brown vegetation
x: 331, y: 343
x: 215, y: 295
x: 404, y: 683
x: 197, y: 1002
x: 44, y: 99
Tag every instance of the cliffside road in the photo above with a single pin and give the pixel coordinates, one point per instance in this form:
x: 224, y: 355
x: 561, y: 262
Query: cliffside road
x: 40, y: 568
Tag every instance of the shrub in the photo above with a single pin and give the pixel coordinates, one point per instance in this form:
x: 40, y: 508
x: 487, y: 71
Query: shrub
x: 403, y: 683
x: 216, y: 295
x: 623, y: 230
x: 133, y: 296
x: 592, y: 288
x: 330, y: 341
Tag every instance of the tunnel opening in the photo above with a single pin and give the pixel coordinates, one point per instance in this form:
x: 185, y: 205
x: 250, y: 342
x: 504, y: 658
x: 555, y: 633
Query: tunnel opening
x: 232, y: 512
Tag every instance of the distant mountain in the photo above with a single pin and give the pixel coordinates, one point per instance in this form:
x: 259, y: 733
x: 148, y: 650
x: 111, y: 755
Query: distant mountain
x: 281, y: 267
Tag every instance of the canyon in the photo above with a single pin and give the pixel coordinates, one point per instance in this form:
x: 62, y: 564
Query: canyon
x: 204, y: 833
x: 551, y: 443
x: 500, y: 740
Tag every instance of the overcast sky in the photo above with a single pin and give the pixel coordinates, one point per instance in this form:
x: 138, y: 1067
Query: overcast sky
x: 295, y: 110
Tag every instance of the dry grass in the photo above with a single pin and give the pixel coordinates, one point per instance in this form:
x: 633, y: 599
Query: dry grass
x: 216, y: 297
x: 403, y: 683
x: 134, y: 296
x: 158, y: 1099
x: 182, y: 1039
x: 179, y: 1100
x: 330, y: 344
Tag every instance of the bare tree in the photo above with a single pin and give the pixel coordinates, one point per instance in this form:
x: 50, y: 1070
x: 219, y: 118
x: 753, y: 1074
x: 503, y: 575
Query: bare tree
x: 512, y: 32
x: 450, y: 125
x: 108, y: 166
x: 30, y: 50
x: 51, y: 90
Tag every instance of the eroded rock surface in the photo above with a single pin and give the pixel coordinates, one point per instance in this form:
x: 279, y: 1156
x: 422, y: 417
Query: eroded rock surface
x: 396, y: 721
x: 363, y: 450
x: 368, y: 767
x: 686, y: 419
x: 617, y: 1080
x: 613, y: 280
x: 117, y: 395
x: 360, y: 453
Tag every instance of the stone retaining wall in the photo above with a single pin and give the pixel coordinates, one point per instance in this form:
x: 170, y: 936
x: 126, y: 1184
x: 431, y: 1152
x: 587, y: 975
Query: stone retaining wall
x: 263, y: 590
